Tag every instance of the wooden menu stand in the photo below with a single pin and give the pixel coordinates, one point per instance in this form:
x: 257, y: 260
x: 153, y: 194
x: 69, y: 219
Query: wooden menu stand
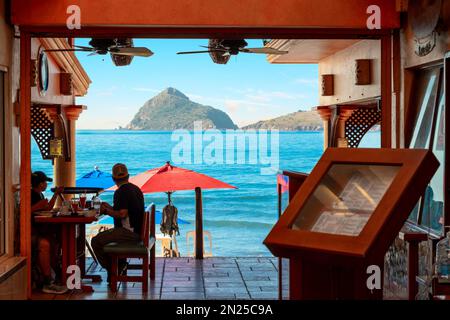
x: 331, y: 279
x: 343, y: 218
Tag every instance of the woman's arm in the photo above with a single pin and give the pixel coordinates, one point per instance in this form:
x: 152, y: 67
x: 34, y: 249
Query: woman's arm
x: 52, y: 201
x: 40, y: 205
x: 58, y: 191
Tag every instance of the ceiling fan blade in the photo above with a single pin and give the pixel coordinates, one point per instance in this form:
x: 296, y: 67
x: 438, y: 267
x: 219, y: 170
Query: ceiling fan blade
x: 67, y: 50
x: 92, y: 54
x: 265, y: 50
x: 83, y: 47
x: 214, y: 48
x: 191, y: 52
x: 132, y: 51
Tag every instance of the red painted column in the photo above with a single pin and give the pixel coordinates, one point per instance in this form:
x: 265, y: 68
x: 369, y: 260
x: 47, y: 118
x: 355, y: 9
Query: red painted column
x: 25, y: 154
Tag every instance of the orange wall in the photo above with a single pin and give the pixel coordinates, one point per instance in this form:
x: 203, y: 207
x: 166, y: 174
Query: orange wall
x: 244, y: 13
x: 52, y: 96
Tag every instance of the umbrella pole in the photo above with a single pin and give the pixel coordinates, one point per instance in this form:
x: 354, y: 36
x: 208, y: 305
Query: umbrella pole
x: 198, y: 224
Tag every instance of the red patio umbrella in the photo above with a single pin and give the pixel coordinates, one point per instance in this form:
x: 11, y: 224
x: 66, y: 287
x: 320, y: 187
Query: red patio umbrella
x: 169, y: 179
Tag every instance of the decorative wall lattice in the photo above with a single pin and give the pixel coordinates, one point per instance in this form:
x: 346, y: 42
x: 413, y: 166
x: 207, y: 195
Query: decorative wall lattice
x: 359, y: 123
x: 42, y: 130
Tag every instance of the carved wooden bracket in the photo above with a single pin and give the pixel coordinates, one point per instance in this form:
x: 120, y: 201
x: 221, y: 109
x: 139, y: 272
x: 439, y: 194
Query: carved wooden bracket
x: 324, y: 113
x: 73, y: 112
x: 355, y: 120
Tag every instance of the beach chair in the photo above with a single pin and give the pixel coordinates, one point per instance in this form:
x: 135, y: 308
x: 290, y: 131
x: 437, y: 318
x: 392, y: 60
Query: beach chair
x: 191, y: 235
x: 169, y: 245
x: 139, y: 250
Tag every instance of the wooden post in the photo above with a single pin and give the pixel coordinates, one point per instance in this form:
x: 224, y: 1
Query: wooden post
x: 65, y: 171
x: 396, y: 88
x: 413, y: 239
x: 344, y: 115
x: 25, y: 153
x: 198, y: 224
x: 153, y: 249
x: 386, y: 91
x: 280, y: 262
x: 325, y: 113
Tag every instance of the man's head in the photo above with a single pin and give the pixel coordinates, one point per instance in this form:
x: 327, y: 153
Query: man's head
x: 39, y: 180
x: 120, y: 173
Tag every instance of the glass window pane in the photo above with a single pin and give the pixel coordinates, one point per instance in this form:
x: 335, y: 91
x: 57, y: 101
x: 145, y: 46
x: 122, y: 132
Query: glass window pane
x: 433, y: 207
x: 427, y: 87
x: 345, y: 198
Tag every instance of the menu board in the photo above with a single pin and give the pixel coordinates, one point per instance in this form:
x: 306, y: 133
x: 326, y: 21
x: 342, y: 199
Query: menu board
x: 344, y: 223
x: 346, y: 198
x: 361, y: 193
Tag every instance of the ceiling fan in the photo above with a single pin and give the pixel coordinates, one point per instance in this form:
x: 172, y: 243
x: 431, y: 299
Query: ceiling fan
x: 226, y: 47
x: 119, y: 47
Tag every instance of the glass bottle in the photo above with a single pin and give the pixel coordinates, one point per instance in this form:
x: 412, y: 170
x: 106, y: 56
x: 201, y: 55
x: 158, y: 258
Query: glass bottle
x: 442, y: 257
x: 96, y: 203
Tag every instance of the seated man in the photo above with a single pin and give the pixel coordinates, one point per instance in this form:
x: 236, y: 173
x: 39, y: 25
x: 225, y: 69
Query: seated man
x: 43, y: 238
x: 127, y: 211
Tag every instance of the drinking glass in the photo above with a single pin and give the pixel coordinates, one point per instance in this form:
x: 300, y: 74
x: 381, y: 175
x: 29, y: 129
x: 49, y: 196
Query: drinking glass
x: 75, y: 204
x: 83, y: 200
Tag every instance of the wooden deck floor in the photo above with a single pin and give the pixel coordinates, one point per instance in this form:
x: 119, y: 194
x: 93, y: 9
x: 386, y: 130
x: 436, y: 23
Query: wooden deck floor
x: 187, y: 278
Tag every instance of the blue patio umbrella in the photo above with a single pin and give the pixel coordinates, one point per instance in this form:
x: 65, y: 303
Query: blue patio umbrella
x: 96, y: 179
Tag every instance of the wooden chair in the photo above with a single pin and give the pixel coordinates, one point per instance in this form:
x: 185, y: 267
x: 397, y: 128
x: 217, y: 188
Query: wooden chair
x: 139, y: 250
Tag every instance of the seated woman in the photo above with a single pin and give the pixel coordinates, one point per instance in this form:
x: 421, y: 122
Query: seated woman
x: 44, y: 242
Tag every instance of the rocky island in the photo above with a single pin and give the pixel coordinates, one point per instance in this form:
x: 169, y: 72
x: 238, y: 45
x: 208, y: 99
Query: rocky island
x: 296, y: 121
x: 171, y: 110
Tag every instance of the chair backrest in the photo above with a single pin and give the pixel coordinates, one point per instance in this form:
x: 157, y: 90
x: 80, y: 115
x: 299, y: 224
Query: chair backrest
x: 148, y: 225
x: 191, y: 235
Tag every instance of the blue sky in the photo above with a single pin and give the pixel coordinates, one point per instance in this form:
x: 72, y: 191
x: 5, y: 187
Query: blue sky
x: 247, y: 88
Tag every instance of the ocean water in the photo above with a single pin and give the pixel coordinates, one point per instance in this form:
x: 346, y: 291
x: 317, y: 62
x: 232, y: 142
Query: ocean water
x: 238, y: 219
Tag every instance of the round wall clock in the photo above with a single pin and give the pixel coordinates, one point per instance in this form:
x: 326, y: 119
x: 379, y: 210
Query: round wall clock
x: 43, y: 72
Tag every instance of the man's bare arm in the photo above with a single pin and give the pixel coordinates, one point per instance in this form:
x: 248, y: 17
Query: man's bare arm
x: 123, y: 213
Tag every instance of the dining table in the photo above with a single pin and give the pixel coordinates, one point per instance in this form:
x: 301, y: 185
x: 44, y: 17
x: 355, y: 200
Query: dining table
x: 69, y: 225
